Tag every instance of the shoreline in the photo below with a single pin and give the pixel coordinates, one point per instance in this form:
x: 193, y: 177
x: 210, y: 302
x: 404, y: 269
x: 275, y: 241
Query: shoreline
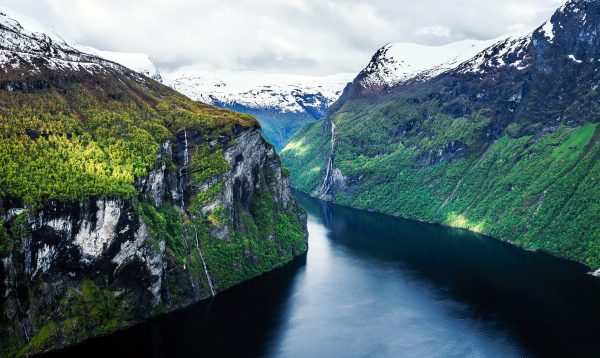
x: 590, y: 271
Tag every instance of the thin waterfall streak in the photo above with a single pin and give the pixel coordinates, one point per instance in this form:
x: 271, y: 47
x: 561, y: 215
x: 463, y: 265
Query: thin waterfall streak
x: 182, y: 176
x: 183, y: 170
x: 329, y: 170
x: 204, y: 264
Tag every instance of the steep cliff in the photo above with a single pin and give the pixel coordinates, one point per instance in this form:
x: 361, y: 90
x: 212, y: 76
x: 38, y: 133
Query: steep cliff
x: 121, y: 199
x: 505, y: 142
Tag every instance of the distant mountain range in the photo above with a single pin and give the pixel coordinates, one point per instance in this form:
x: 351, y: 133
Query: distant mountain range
x: 282, y: 104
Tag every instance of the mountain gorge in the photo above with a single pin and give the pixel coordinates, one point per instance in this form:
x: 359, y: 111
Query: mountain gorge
x: 500, y: 138
x: 121, y: 199
x: 282, y: 104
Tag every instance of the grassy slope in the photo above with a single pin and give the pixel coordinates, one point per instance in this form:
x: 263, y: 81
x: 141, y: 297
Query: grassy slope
x: 96, y: 136
x: 538, y: 192
x: 306, y: 154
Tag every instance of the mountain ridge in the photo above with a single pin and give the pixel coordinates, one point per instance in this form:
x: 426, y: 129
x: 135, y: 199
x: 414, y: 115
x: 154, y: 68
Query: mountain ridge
x: 504, y: 143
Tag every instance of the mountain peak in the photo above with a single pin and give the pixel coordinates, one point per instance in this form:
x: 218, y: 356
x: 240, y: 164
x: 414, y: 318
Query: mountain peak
x: 138, y: 62
x: 397, y: 63
x: 26, y: 45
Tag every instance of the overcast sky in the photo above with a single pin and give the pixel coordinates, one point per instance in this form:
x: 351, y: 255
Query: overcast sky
x: 311, y: 37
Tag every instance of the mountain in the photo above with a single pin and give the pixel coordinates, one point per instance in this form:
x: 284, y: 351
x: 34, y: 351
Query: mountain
x: 138, y: 62
x: 505, y: 142
x: 400, y: 63
x: 282, y: 104
x: 121, y: 199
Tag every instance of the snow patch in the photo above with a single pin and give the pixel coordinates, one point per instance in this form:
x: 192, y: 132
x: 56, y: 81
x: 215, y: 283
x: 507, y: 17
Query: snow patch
x: 572, y: 57
x: 137, y: 62
x: 548, y: 30
x: 509, y: 51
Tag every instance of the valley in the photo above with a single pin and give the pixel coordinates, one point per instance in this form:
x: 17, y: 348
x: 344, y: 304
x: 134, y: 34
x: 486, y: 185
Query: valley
x: 163, y: 176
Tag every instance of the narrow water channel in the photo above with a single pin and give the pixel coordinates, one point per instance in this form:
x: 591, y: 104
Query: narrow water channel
x: 373, y: 285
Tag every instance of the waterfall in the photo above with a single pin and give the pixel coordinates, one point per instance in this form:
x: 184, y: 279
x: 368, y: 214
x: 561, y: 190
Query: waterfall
x: 208, y: 276
x: 182, y: 177
x: 183, y: 170
x: 326, y: 185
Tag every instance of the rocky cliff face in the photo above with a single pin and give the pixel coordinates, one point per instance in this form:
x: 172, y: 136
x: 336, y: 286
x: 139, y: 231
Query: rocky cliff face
x: 121, y: 198
x: 83, y: 268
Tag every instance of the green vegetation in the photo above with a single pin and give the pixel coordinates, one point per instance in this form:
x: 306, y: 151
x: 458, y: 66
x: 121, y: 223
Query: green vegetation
x: 97, y: 311
x: 207, y: 163
x: 306, y: 154
x: 87, y: 138
x: 76, y: 142
x: 540, y: 191
x: 165, y: 224
x: 84, y: 312
x: 43, y: 340
x: 205, y: 197
x: 268, y: 237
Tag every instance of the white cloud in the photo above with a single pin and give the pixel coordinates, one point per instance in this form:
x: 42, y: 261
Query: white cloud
x: 295, y: 36
x: 440, y: 31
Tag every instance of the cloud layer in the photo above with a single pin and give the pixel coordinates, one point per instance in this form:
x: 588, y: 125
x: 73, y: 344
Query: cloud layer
x: 312, y: 37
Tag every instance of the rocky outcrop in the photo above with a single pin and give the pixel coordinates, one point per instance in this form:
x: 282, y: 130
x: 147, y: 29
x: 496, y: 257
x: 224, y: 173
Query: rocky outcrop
x: 451, y: 151
x: 71, y: 270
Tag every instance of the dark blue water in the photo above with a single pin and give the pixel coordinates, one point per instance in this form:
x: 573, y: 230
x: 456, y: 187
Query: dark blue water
x: 377, y: 286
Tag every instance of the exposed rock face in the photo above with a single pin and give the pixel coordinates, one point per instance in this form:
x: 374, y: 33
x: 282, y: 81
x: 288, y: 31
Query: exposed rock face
x: 249, y: 154
x: 102, y: 252
x: 452, y: 150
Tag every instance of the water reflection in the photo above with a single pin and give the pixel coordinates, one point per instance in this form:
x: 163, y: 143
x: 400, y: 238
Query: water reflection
x: 544, y: 304
x: 372, y: 285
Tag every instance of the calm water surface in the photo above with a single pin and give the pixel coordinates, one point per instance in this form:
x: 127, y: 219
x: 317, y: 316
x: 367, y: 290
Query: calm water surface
x: 373, y: 285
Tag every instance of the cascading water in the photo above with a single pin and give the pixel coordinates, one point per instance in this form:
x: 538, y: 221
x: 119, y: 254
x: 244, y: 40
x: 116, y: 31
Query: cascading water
x: 327, y: 180
x: 183, y: 170
x: 208, y: 276
x: 182, y: 177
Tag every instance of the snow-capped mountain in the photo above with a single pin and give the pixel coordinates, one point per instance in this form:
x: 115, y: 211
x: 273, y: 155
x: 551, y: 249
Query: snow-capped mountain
x: 281, y: 103
x: 27, y: 44
x: 22, y: 48
x: 287, y: 94
x: 138, y: 62
x: 397, y: 63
